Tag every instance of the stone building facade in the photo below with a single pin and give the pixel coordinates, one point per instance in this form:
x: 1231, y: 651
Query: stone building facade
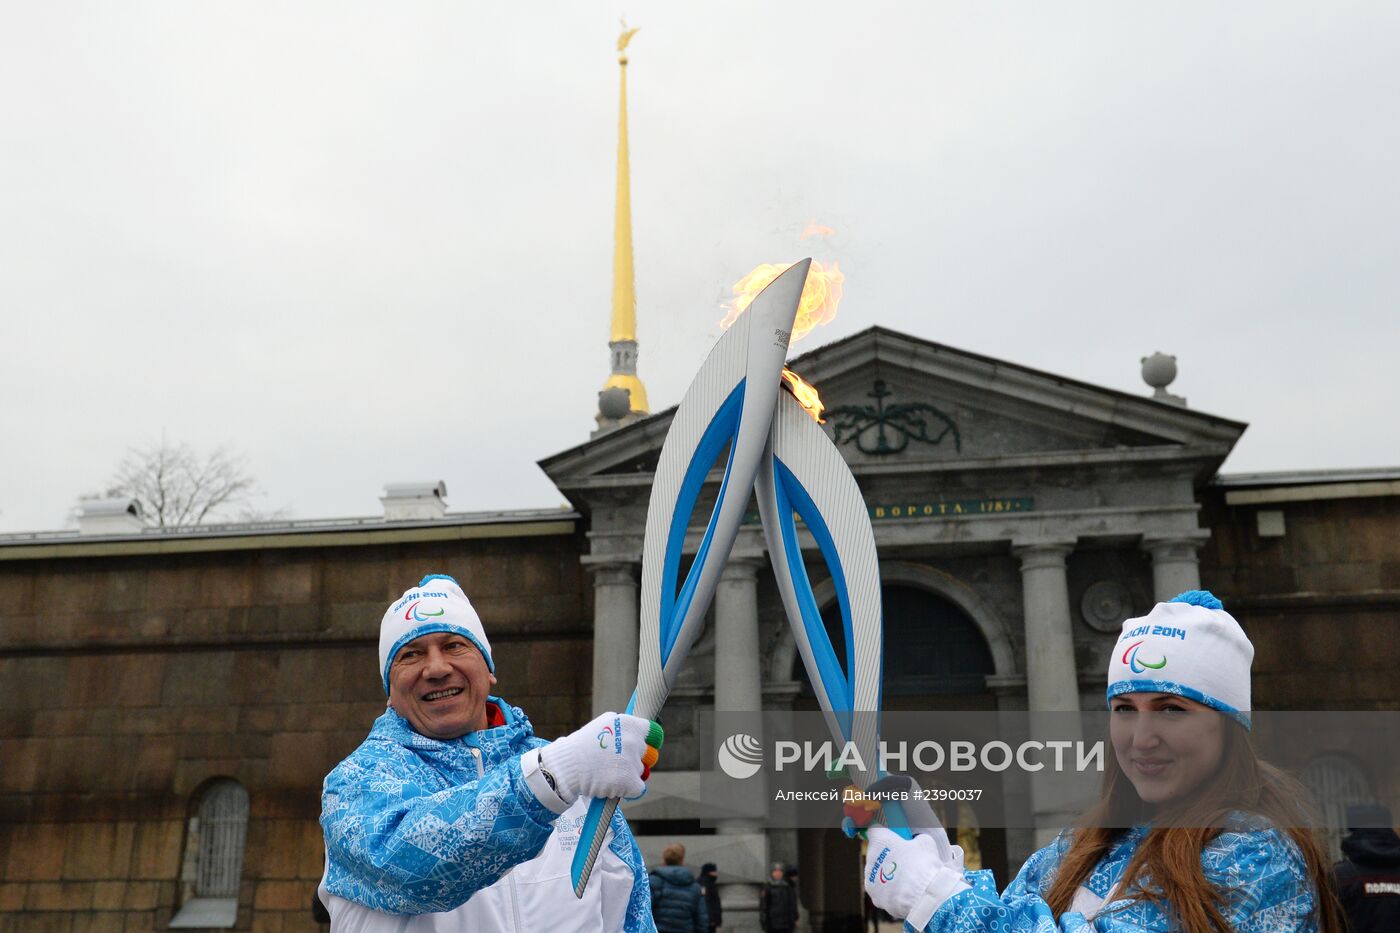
x: 1020, y: 517
x: 1312, y: 561
x: 140, y: 674
x: 156, y: 689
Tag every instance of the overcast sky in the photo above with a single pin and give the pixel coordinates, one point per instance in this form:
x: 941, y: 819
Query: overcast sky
x: 368, y: 242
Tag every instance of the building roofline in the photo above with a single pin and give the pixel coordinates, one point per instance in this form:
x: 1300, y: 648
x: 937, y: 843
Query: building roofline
x: 875, y: 331
x: 1122, y: 404
x: 1306, y: 477
x: 518, y: 523
x: 1308, y: 485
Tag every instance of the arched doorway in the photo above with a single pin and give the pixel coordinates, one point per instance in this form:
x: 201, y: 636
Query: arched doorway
x: 935, y: 655
x: 932, y: 647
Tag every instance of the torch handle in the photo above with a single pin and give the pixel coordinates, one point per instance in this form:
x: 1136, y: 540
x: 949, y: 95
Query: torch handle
x: 599, y: 817
x: 895, y: 819
x: 595, y: 829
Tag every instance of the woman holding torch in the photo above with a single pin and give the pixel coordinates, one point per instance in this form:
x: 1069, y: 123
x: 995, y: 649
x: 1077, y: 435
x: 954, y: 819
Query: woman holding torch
x: 1192, y: 832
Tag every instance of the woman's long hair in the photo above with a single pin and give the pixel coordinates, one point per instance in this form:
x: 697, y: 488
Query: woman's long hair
x: 1166, y: 868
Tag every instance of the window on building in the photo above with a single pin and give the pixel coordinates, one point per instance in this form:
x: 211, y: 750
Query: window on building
x: 1336, y: 783
x: 213, y: 864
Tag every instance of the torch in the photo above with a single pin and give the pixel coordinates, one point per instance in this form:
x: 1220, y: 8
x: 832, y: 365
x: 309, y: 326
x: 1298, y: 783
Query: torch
x: 730, y: 402
x: 803, y: 474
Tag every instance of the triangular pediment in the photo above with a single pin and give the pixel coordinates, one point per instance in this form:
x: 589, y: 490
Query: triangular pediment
x: 895, y: 399
x: 937, y: 402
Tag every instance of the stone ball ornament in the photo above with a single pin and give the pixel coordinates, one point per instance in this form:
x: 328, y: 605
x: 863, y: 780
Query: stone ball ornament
x: 614, y: 403
x: 1158, y: 370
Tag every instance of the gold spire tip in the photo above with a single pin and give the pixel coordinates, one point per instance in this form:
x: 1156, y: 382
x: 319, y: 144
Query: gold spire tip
x: 626, y: 36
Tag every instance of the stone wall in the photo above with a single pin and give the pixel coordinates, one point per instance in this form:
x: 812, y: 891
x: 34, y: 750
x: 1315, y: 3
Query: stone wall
x: 1321, y: 602
x: 129, y: 682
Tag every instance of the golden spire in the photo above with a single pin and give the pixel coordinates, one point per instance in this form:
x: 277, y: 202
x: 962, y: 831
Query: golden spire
x: 624, y: 304
x: 624, y: 318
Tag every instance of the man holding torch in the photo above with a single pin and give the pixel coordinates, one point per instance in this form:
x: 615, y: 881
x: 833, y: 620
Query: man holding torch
x: 453, y: 815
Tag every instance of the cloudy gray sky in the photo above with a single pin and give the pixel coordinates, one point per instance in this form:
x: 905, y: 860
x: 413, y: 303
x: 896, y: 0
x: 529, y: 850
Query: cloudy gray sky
x: 368, y: 242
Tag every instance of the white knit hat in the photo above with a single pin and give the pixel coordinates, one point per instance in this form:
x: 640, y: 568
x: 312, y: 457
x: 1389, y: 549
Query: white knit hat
x: 1190, y: 647
x: 436, y: 604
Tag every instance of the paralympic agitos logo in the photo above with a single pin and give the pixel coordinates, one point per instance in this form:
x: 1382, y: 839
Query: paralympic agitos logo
x: 414, y: 614
x: 882, y: 871
x: 1136, y: 664
x: 612, y: 733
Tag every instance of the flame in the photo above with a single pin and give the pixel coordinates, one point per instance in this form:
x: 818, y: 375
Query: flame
x: 816, y: 229
x: 805, y: 393
x: 820, y: 295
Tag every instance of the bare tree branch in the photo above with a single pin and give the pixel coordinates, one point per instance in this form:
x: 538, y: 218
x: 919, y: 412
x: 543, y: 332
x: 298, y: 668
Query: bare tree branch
x: 179, y: 489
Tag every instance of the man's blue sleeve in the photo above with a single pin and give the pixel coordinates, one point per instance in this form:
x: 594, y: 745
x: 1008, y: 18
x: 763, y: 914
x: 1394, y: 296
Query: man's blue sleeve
x: 401, y: 848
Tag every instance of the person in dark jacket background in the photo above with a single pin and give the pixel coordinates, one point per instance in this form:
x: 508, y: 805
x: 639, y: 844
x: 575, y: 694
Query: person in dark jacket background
x: 1368, y: 879
x: 709, y: 886
x: 677, y: 905
x: 777, y: 902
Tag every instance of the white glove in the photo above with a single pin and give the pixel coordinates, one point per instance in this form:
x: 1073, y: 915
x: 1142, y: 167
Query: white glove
x: 908, y: 877
x: 603, y: 759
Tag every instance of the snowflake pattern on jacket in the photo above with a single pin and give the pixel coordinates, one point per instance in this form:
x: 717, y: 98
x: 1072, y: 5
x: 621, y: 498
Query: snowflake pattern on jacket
x: 414, y: 825
x: 1259, y: 869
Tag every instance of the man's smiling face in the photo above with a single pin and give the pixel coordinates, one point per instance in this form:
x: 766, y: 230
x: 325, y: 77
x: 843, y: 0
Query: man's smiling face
x: 439, y: 683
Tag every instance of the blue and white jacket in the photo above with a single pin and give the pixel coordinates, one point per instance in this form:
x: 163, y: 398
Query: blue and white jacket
x: 1259, y: 869
x: 424, y: 835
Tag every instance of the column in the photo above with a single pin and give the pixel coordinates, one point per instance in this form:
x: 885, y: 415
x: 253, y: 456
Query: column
x: 739, y: 689
x: 738, y: 667
x: 1175, y: 567
x: 1052, y: 681
x: 615, y: 624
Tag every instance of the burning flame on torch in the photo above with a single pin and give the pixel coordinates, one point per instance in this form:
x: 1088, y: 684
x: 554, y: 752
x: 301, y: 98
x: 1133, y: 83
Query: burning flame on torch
x: 820, y: 296
x: 805, y: 393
